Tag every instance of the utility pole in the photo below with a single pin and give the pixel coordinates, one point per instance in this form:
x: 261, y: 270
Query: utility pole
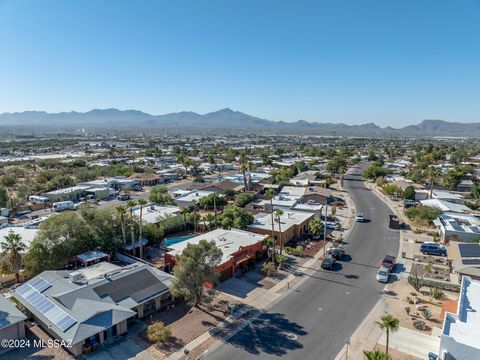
x: 347, y: 342
x: 325, y: 231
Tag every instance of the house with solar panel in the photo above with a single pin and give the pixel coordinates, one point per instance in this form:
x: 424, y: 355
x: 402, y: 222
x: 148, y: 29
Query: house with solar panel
x: 93, y: 305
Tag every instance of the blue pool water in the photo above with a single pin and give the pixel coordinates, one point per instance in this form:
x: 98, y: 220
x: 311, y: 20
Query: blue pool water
x: 175, y: 240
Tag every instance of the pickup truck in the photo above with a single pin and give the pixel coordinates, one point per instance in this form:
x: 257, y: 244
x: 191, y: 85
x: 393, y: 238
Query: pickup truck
x: 388, y: 262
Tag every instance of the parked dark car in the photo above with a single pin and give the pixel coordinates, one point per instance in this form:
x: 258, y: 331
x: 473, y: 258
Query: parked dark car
x: 123, y: 197
x: 407, y: 203
x: 433, y: 249
x: 328, y: 263
x: 336, y: 253
x: 388, y: 262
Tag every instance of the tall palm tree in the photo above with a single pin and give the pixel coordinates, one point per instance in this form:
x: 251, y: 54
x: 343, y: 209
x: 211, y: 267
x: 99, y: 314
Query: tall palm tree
x: 184, y: 211
x: 274, y: 174
x: 121, y: 211
x: 13, y: 245
x: 432, y: 175
x: 271, y: 193
x: 278, y: 214
x: 243, y: 168
x: 389, y: 324
x: 142, y: 203
x: 375, y: 355
x: 131, y: 204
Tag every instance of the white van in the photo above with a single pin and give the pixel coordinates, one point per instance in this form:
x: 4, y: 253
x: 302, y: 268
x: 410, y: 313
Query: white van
x: 63, y: 205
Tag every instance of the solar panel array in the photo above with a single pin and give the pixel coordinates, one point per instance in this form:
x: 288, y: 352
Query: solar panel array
x: 471, y: 261
x: 469, y: 250
x: 43, y: 305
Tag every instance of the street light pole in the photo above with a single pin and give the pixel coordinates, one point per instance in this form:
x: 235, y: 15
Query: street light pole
x: 347, y: 342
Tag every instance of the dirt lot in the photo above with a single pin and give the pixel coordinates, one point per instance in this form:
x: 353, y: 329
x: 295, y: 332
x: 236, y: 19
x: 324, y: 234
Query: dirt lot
x: 186, y: 324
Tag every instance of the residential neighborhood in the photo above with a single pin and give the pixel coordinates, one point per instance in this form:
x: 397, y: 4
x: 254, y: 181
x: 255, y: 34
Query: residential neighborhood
x: 239, y: 180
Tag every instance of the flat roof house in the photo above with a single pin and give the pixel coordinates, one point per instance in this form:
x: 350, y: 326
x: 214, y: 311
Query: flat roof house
x: 91, y: 305
x: 461, y: 331
x: 12, y: 324
x: 458, y: 227
x: 293, y: 224
x: 239, y: 248
x: 68, y: 194
x: 187, y: 199
x: 154, y: 214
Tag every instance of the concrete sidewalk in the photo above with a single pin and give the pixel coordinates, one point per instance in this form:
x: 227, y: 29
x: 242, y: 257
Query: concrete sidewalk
x: 412, y: 342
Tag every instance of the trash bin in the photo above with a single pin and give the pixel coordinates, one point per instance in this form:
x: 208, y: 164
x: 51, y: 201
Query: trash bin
x: 404, y: 254
x: 432, y: 356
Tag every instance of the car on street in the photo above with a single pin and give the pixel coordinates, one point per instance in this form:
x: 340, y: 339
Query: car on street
x: 433, y: 249
x: 383, y: 274
x: 359, y: 217
x: 328, y: 263
x: 123, y: 197
x: 337, y: 253
x: 388, y: 262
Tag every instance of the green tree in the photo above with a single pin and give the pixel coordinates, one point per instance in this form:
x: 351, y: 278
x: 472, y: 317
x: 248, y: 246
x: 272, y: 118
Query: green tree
x: 212, y: 201
x: 316, y: 227
x: 335, y: 164
x: 432, y: 174
x: 235, y: 217
x: 184, y: 211
x: 270, y: 193
x: 159, y: 195
x: 476, y: 190
x: 195, y: 267
x: 375, y: 171
x: 389, y: 324
x: 423, y: 214
x: 409, y: 193
x: 13, y: 246
x: 243, y: 199
x: 3, y: 197
x: 158, y: 333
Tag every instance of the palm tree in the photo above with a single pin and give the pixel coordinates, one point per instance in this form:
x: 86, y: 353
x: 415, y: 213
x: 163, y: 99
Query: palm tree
x: 432, y: 175
x: 278, y: 214
x: 142, y: 203
x: 243, y: 169
x: 13, y: 245
x: 184, y: 211
x: 271, y: 193
x: 316, y: 227
x: 389, y: 324
x: 121, y: 212
x: 375, y: 355
x: 341, y: 171
x: 211, y: 220
x: 274, y: 174
x: 131, y: 204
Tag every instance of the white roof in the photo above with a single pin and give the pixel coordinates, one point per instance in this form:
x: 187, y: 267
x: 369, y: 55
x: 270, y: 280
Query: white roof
x: 153, y: 214
x: 463, y: 326
x: 466, y: 223
x: 308, y: 207
x: 194, y: 195
x: 287, y: 220
x: 446, y: 205
x: 229, y: 241
x: 444, y: 194
x: 293, y: 191
x: 68, y: 190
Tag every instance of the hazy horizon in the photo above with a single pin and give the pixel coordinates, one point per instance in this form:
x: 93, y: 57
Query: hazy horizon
x: 391, y: 63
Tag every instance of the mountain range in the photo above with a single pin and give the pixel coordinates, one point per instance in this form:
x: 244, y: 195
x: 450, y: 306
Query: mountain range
x: 221, y: 121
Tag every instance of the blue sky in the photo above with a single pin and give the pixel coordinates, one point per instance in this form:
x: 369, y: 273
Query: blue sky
x: 392, y: 62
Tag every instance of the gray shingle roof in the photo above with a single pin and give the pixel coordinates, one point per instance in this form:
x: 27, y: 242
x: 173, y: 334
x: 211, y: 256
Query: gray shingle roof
x: 9, y: 314
x: 100, y: 302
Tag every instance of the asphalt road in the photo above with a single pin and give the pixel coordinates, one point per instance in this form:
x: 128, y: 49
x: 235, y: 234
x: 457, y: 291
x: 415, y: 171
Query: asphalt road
x: 314, y: 320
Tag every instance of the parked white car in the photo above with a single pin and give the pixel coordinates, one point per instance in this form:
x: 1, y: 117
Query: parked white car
x: 383, y: 275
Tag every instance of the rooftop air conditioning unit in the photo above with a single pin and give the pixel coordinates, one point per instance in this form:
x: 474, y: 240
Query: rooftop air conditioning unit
x: 74, y: 276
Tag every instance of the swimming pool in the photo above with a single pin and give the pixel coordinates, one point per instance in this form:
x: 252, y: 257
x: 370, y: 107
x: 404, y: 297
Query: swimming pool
x: 175, y: 240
